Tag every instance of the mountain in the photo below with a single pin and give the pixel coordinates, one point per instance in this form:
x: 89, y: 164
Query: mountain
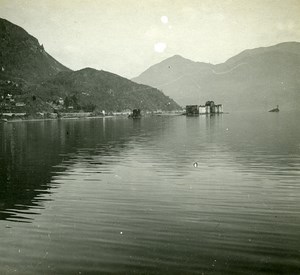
x: 176, y: 76
x: 255, y: 79
x: 89, y: 89
x: 28, y: 74
x: 21, y: 55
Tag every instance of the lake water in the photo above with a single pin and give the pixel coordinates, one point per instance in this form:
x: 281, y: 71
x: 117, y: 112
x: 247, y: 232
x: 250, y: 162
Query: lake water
x: 159, y: 195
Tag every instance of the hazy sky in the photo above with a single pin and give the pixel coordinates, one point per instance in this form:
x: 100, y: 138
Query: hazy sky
x: 127, y: 36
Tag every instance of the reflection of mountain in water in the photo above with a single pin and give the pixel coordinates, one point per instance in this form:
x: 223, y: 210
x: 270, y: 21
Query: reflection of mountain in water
x: 31, y: 153
x: 263, y: 143
x: 128, y: 195
x: 251, y: 143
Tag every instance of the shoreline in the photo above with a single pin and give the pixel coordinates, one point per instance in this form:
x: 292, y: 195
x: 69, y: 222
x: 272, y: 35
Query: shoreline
x: 8, y: 119
x: 4, y: 121
x: 51, y: 119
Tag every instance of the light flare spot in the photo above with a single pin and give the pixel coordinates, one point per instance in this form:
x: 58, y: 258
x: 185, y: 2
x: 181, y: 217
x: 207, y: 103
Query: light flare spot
x: 160, y: 47
x: 164, y: 19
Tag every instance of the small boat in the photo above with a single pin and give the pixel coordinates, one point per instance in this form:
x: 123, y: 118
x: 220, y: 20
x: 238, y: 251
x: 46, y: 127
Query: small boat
x: 275, y: 109
x: 136, y: 113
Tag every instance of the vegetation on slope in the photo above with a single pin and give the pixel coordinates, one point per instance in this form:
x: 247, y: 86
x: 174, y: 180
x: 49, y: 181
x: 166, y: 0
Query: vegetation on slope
x: 90, y: 89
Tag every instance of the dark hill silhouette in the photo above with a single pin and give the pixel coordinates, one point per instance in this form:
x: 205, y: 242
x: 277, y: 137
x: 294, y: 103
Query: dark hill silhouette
x: 255, y: 79
x: 90, y: 89
x: 31, y: 75
x: 21, y: 55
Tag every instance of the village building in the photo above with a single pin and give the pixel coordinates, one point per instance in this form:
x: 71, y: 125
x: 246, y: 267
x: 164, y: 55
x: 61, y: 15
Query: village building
x: 61, y: 101
x: 20, y: 104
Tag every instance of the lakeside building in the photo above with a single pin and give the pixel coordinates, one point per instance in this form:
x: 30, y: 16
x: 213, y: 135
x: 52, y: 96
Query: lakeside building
x: 192, y: 110
x: 209, y: 108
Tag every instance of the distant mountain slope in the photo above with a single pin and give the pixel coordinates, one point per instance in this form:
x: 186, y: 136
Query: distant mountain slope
x: 90, y: 89
x: 171, y: 69
x: 176, y: 77
x: 255, y: 79
x: 21, y: 55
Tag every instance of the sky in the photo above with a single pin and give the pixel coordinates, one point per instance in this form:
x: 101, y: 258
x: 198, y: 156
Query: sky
x: 128, y: 36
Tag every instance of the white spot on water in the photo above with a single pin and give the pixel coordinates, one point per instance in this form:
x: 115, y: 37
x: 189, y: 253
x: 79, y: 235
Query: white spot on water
x: 164, y: 19
x: 195, y: 164
x: 160, y: 47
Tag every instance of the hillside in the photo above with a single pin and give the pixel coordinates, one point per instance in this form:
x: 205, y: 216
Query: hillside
x: 22, y: 57
x: 256, y: 79
x: 30, y: 77
x: 89, y: 89
x: 23, y: 63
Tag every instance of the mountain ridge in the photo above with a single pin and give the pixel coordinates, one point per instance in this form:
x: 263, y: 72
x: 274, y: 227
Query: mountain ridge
x: 255, y: 79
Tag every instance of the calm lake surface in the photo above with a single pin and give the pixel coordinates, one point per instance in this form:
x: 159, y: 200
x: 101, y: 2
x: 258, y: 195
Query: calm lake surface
x: 159, y: 195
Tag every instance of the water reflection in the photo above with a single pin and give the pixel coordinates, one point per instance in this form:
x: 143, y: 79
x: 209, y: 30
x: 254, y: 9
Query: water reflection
x: 124, y: 196
x: 32, y: 152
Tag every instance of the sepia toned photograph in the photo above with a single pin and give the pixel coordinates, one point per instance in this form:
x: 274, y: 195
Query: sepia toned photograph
x: 150, y: 137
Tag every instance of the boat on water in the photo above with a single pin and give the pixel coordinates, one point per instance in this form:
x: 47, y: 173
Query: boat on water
x: 136, y: 113
x: 275, y: 109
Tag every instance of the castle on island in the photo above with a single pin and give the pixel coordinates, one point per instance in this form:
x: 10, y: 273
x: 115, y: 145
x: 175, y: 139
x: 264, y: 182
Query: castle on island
x: 209, y: 108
